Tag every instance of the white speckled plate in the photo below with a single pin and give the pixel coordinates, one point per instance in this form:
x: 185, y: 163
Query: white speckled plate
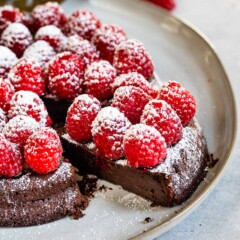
x: 180, y: 53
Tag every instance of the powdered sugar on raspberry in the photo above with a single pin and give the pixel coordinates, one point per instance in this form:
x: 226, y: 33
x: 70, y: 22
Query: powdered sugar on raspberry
x: 131, y: 56
x: 98, y: 79
x: 28, y: 104
x: 85, y: 49
x: 7, y: 60
x: 17, y: 37
x: 53, y: 35
x: 110, y: 124
x: 134, y: 79
x: 50, y: 13
x: 41, y: 51
x: 3, y: 120
x: 82, y: 23
x: 19, y: 128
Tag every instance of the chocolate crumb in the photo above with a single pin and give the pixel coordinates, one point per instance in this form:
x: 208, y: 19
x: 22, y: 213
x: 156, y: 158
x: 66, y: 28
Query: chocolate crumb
x: 103, y: 188
x: 88, y: 185
x: 148, y: 220
x: 212, y: 162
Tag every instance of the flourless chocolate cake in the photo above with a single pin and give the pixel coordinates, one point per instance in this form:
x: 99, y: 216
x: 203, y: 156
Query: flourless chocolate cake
x: 92, y: 84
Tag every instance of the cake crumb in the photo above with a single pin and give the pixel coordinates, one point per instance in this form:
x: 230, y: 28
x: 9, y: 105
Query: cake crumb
x: 148, y: 220
x: 88, y: 185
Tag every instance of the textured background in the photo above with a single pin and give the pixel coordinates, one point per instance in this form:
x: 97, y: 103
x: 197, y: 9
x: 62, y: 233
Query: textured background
x: 219, y: 216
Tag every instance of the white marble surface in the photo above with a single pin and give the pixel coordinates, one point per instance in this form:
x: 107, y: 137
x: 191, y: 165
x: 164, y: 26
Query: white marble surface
x: 218, y: 218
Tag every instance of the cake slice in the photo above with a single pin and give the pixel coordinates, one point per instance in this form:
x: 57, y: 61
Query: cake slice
x: 167, y: 184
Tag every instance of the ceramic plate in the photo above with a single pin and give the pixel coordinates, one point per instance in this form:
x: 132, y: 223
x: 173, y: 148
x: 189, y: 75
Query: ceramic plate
x: 179, y: 53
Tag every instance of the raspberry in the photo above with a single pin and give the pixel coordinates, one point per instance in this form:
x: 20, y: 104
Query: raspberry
x: 11, y: 161
x: 80, y: 117
x: 107, y: 38
x: 134, y: 79
x: 49, y: 13
x: 108, y: 130
x: 19, y: 128
x: 83, y: 23
x: 167, y: 4
x: 98, y: 79
x: 83, y: 48
x: 159, y: 114
x: 28, y: 104
x: 8, y: 15
x: 66, y: 75
x: 7, y: 60
x: 3, y: 120
x: 131, y: 56
x: 27, y: 75
x: 130, y: 101
x: 6, y: 93
x: 144, y: 146
x: 17, y: 38
x: 180, y: 99
x: 53, y: 35
x: 41, y: 51
x: 43, y: 151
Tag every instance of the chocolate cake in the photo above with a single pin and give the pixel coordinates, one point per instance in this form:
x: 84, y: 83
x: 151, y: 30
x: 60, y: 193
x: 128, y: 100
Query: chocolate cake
x: 36, y: 199
x: 167, y: 184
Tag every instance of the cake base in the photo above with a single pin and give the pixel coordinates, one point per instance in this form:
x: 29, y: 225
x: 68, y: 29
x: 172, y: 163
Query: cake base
x: 33, y: 199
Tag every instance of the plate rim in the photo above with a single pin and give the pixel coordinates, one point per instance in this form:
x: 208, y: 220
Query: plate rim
x: 166, y: 225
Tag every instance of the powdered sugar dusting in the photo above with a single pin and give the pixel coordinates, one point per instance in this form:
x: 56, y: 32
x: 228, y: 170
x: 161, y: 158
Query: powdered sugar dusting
x: 82, y: 23
x: 28, y: 103
x: 19, y: 128
x: 85, y: 49
x: 3, y: 120
x: 53, y: 35
x: 7, y: 60
x: 131, y: 56
x: 108, y: 129
x: 17, y: 37
x: 41, y: 51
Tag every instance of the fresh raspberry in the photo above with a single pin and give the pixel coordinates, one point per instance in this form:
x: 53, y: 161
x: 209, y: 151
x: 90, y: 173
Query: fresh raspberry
x: 66, y: 75
x: 159, y: 114
x: 19, y: 128
x: 8, y: 15
x: 98, y: 79
x: 17, y: 38
x: 41, y: 51
x: 83, y: 23
x: 167, y: 4
x: 7, y: 60
x: 180, y: 99
x: 3, y: 120
x: 11, y: 160
x: 108, y: 130
x: 49, y: 13
x: 82, y: 47
x: 144, y: 146
x: 80, y: 117
x: 27, y: 75
x: 43, y: 151
x: 28, y: 104
x: 134, y: 79
x: 107, y: 38
x: 6, y: 93
x: 53, y: 35
x: 131, y: 101
x: 131, y: 56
